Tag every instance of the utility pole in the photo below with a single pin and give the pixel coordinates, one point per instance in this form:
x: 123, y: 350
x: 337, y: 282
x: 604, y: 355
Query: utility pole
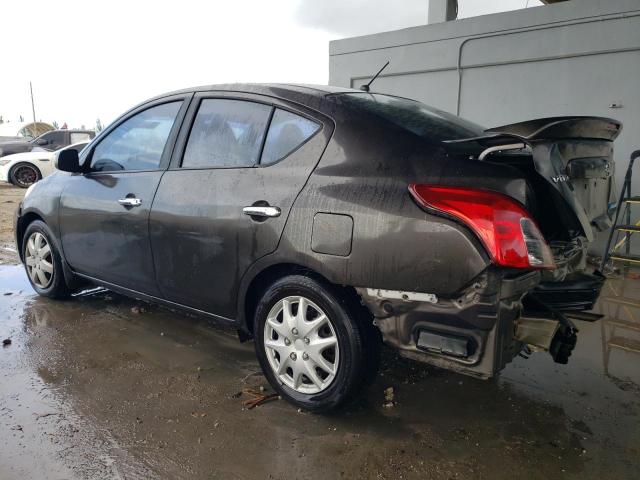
x: 33, y: 107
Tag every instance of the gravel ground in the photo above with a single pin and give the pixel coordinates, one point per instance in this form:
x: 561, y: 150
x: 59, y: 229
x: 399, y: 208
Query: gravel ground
x: 10, y: 197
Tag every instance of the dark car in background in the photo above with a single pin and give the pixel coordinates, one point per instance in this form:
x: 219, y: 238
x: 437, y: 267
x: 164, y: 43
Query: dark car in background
x: 321, y: 221
x: 52, y: 140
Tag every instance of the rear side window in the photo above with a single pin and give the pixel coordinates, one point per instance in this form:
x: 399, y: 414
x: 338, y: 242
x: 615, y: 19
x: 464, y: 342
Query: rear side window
x: 226, y: 133
x: 138, y: 142
x: 77, y: 137
x: 416, y: 117
x: 287, y: 132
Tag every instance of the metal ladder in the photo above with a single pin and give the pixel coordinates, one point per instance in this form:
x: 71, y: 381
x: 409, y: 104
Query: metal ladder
x: 620, y: 234
x: 620, y: 326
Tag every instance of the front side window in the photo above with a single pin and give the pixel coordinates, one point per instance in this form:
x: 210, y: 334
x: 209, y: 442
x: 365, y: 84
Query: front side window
x: 54, y: 140
x: 226, y: 133
x: 287, y: 132
x: 138, y: 142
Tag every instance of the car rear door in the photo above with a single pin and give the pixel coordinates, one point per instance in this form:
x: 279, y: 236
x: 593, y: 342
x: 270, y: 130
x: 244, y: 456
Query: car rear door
x: 104, y: 213
x: 218, y: 208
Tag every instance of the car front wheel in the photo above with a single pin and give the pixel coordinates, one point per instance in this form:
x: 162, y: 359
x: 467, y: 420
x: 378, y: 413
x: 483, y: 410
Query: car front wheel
x: 43, y: 262
x: 312, y: 341
x: 24, y: 175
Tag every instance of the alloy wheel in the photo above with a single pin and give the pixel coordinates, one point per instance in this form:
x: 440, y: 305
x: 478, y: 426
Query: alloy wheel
x: 301, y: 345
x: 39, y: 260
x: 25, y: 176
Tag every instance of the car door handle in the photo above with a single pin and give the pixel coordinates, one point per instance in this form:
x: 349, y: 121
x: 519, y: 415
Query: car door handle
x: 266, y: 212
x: 130, y: 202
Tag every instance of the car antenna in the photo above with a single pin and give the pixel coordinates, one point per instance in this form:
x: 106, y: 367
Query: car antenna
x: 365, y: 87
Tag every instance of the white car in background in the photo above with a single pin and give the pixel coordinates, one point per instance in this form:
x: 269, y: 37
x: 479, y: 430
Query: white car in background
x: 25, y: 169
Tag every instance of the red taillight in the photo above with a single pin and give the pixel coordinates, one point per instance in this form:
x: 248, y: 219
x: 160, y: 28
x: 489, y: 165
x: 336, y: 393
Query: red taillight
x: 507, y: 231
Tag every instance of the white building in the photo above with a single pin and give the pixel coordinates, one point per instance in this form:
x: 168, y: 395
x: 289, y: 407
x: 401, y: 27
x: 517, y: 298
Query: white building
x: 579, y: 57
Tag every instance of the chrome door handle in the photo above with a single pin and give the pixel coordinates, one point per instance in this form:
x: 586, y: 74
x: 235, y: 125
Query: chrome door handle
x: 267, y: 212
x: 130, y: 202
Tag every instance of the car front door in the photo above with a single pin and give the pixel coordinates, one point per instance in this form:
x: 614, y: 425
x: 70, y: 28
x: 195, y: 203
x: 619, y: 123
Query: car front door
x: 104, y: 213
x: 203, y: 236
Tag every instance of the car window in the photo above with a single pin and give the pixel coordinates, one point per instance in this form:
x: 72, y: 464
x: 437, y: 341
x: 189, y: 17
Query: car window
x: 287, y: 132
x: 226, y: 133
x: 55, y: 140
x: 416, y: 117
x: 77, y: 137
x: 137, y: 143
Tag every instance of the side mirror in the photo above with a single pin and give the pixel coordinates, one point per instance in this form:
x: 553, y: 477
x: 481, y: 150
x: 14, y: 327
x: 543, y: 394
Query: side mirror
x: 68, y: 161
x: 42, y: 141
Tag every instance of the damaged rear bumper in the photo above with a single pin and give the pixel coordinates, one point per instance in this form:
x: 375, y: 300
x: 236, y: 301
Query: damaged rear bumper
x: 479, y: 331
x: 472, y: 333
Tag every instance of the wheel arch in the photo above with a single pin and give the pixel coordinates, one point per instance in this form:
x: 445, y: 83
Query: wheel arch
x: 24, y: 162
x: 21, y: 226
x: 255, y: 287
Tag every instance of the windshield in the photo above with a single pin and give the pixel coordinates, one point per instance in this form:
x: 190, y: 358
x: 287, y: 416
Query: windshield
x: 416, y: 117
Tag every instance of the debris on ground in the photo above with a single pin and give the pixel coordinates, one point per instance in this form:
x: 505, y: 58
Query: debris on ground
x: 6, y: 342
x: 44, y: 415
x: 137, y: 309
x: 258, y: 397
x: 389, y: 396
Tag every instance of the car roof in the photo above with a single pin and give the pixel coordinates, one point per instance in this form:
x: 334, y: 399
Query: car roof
x: 266, y: 88
x: 303, y: 93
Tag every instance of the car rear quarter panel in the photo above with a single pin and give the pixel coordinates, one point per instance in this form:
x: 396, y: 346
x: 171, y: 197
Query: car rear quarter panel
x: 364, y: 174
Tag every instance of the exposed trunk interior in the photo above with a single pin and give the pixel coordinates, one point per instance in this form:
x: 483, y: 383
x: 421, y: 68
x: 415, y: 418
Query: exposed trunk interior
x: 568, y: 171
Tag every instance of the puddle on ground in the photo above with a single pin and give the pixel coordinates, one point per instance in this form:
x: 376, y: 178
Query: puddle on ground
x: 95, y: 388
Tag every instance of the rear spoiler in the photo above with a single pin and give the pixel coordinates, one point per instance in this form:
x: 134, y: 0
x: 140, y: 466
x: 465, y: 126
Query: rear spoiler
x: 545, y: 129
x: 574, y: 154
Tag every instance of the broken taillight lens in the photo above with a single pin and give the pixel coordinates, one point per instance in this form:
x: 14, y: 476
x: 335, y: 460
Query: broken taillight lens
x: 505, y: 228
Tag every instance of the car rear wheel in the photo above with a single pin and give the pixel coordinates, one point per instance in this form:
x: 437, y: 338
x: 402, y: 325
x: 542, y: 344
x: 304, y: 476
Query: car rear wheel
x: 24, y: 175
x: 42, y: 261
x: 312, y: 343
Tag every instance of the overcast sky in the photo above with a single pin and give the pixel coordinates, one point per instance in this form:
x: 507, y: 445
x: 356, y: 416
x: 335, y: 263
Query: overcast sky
x: 94, y: 59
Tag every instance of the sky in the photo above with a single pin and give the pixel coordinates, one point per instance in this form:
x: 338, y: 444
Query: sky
x: 94, y: 59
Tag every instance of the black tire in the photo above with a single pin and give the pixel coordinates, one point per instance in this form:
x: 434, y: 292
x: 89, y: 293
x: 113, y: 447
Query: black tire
x: 24, y: 175
x: 358, y: 345
x: 57, y: 286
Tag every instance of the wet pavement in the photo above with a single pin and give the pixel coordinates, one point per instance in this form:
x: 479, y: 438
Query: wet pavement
x: 97, y: 387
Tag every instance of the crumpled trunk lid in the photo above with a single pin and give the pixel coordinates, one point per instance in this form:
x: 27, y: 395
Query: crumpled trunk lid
x: 573, y: 154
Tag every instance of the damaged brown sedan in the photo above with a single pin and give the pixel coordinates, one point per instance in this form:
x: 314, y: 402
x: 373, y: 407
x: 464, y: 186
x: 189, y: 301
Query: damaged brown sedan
x: 323, y: 221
